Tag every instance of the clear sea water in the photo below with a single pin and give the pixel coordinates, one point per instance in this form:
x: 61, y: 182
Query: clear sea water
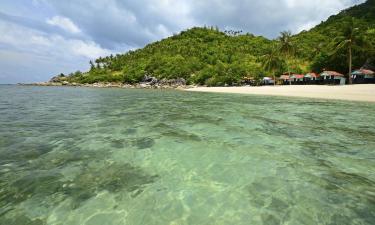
x: 141, y: 157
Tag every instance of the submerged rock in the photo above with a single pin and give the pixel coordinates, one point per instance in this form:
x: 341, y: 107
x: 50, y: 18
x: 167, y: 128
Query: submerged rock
x: 143, y: 143
x: 21, y: 220
x: 118, y: 143
x: 113, y: 178
x: 51, y: 187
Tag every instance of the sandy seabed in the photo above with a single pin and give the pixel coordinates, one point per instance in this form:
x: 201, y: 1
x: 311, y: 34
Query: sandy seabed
x: 360, y: 92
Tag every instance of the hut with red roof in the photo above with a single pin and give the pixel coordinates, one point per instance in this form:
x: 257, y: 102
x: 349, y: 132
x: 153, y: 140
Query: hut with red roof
x: 333, y: 77
x: 312, y: 78
x: 285, y: 79
x: 298, y: 79
x: 363, y: 76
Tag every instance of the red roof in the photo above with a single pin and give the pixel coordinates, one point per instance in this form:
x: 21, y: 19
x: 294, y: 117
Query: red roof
x: 297, y: 76
x: 331, y: 73
x: 284, y: 77
x: 366, y: 72
x: 312, y: 75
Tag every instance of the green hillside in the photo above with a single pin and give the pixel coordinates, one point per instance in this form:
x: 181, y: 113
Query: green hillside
x: 209, y: 56
x: 199, y: 55
x: 318, y: 45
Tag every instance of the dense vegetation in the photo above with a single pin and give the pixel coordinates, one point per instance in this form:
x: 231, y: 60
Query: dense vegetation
x: 319, y: 45
x: 209, y: 56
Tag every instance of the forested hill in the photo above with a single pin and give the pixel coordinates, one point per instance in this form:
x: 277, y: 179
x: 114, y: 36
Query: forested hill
x: 196, y: 55
x: 318, y: 45
x: 212, y: 57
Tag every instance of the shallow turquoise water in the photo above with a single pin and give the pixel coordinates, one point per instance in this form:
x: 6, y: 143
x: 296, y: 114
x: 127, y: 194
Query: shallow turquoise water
x: 113, y: 156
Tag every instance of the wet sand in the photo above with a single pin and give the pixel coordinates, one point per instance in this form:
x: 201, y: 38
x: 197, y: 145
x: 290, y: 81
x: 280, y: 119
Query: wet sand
x: 360, y: 92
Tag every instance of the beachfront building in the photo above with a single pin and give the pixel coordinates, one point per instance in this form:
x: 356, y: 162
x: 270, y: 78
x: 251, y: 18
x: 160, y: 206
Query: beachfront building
x: 297, y: 79
x: 363, y: 76
x: 248, y: 81
x: 284, y: 79
x: 268, y: 81
x: 332, y: 77
x: 312, y: 78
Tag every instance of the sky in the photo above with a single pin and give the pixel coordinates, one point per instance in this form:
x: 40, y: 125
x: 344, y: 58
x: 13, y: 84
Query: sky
x: 42, y: 38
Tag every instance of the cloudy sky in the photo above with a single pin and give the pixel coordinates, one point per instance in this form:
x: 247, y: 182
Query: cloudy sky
x: 41, y: 38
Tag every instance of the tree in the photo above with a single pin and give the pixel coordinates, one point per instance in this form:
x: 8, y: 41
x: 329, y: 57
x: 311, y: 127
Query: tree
x: 272, y: 62
x: 287, y: 47
x: 318, y: 49
x: 92, y: 66
x: 349, y: 40
x: 319, y: 63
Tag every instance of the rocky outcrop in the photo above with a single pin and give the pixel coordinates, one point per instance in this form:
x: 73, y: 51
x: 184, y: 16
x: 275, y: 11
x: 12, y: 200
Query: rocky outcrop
x: 150, y: 83
x: 173, y: 82
x: 58, y: 79
x: 41, y: 84
x: 153, y: 82
x: 149, y: 80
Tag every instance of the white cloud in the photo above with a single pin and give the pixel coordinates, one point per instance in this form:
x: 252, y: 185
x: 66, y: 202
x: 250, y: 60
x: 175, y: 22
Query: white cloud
x: 307, y: 14
x: 28, y: 55
x: 87, y: 49
x: 29, y: 40
x: 64, y: 23
x: 269, y: 17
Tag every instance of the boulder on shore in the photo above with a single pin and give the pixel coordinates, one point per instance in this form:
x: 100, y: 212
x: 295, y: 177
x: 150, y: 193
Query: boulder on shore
x: 153, y: 82
x: 150, y: 80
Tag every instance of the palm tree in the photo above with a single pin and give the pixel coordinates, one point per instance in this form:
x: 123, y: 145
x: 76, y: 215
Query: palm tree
x: 348, y: 41
x: 92, y: 65
x: 287, y: 47
x: 272, y: 62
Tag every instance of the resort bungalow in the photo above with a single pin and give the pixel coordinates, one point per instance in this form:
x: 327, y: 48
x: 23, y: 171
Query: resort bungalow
x: 268, y: 81
x: 248, y: 81
x: 297, y: 79
x: 363, y: 76
x: 332, y: 77
x: 312, y: 78
x: 285, y: 79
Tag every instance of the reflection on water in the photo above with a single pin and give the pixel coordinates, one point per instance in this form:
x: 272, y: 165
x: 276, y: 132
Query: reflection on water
x: 112, y: 156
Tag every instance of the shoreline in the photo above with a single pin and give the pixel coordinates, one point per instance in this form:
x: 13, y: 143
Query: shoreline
x: 357, y: 92
x: 108, y: 85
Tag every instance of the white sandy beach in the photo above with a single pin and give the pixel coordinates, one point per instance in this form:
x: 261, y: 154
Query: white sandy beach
x: 360, y: 92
